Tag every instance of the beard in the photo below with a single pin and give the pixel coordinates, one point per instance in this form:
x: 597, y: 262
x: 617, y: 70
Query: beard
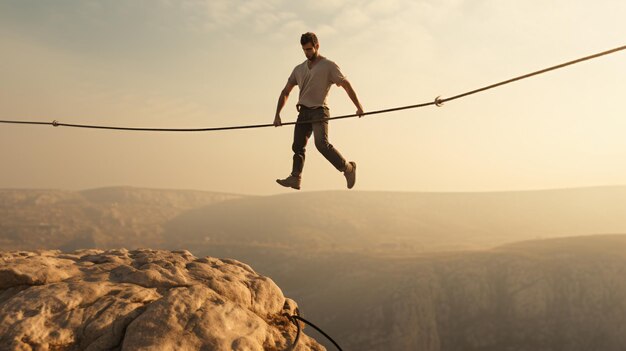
x: 313, y: 57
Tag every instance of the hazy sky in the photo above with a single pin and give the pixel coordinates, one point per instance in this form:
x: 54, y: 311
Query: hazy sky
x: 210, y: 63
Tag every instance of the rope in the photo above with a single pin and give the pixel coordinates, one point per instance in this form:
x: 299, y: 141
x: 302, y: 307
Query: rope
x: 438, y: 102
x: 294, y: 319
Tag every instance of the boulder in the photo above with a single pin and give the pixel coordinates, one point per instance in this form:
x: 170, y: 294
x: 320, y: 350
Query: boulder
x: 140, y: 300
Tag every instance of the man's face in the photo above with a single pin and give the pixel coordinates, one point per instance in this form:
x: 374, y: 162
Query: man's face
x: 310, y: 51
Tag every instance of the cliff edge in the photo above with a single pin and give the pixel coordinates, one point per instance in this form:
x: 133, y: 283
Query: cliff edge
x: 140, y: 300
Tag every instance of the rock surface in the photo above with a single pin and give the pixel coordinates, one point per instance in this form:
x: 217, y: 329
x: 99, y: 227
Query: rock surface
x: 140, y: 300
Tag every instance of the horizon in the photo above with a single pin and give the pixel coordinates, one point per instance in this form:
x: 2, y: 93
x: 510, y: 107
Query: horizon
x: 133, y: 187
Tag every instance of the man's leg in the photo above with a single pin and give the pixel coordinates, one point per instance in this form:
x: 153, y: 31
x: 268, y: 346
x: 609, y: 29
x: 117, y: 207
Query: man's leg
x: 301, y: 134
x: 320, y: 131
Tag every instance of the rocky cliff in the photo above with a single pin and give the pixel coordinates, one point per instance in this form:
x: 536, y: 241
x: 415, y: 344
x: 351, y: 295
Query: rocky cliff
x: 140, y: 300
x: 556, y: 294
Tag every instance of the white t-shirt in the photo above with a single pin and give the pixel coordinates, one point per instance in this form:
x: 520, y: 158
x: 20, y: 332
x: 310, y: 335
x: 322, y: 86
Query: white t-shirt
x: 314, y: 83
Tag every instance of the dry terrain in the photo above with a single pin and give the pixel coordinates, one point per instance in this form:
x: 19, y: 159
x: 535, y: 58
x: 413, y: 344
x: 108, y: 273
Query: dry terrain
x: 530, y: 270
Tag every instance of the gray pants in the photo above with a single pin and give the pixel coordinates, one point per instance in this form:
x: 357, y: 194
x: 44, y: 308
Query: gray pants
x: 302, y: 133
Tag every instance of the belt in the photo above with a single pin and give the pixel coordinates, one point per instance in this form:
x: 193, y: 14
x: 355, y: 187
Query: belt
x: 303, y: 107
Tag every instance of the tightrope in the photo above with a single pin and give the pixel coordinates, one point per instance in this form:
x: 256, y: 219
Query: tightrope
x: 438, y: 101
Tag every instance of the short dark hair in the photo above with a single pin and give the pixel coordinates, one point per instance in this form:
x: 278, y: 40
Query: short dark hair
x: 309, y: 37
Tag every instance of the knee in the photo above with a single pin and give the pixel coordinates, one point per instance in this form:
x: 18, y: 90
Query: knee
x: 297, y: 149
x: 322, y: 145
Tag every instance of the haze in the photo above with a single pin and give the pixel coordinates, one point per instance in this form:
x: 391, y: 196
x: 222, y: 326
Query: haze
x: 377, y: 270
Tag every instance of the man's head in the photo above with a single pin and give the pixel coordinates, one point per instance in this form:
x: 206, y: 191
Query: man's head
x: 310, y: 45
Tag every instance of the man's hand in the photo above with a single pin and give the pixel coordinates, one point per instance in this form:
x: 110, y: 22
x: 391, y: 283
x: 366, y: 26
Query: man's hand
x: 277, y: 121
x: 359, y: 111
x: 284, y: 94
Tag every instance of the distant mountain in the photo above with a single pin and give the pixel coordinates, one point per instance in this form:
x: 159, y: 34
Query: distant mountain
x: 102, y: 218
x: 385, y: 223
x: 398, y: 223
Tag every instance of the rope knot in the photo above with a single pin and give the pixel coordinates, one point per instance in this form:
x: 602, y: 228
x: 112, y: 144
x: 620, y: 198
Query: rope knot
x: 55, y: 123
x: 438, y: 101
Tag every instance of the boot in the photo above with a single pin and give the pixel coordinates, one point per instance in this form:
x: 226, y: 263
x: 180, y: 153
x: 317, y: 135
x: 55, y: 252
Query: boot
x: 350, y: 174
x: 290, y: 182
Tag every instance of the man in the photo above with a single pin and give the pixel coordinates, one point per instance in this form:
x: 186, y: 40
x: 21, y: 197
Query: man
x: 314, y: 77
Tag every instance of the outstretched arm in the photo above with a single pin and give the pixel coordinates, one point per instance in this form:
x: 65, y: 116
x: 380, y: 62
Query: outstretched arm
x: 348, y: 87
x: 282, y: 99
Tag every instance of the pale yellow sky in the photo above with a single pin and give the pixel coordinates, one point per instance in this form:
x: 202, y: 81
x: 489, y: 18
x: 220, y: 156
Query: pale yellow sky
x: 216, y: 63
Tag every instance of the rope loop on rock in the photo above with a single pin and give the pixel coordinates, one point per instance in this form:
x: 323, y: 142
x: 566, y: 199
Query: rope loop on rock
x: 295, y: 320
